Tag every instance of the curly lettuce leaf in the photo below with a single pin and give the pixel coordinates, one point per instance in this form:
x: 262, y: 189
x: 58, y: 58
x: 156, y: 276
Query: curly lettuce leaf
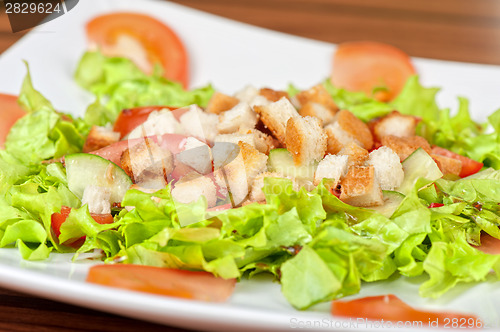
x: 120, y: 83
x: 43, y: 133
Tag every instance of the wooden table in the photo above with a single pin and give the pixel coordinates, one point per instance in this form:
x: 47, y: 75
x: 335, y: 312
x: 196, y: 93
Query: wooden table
x: 461, y: 30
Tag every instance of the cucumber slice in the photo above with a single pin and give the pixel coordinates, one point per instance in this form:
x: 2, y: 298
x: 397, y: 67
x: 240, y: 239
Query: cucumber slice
x: 392, y: 200
x: 84, y: 170
x: 418, y: 165
x: 281, y: 161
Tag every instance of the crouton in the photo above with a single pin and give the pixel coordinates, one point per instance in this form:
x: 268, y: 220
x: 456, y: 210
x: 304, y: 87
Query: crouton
x: 275, y: 116
x: 239, y: 117
x: 235, y: 138
x: 332, y: 167
x: 404, y: 146
x: 220, y: 103
x: 158, y: 123
x: 262, y: 142
x: 194, y: 185
x: 447, y: 165
x: 305, y: 139
x: 223, y: 153
x: 197, y: 155
x: 98, y: 199
x: 273, y: 95
x: 200, y: 124
x: 388, y: 169
x: 395, y: 124
x: 256, y: 194
x: 347, y: 128
x: 247, y: 94
x: 149, y: 186
x: 318, y: 111
x: 146, y: 160
x: 240, y: 173
x: 317, y: 94
x: 255, y: 161
x: 100, y: 137
x: 355, y: 153
x: 360, y: 187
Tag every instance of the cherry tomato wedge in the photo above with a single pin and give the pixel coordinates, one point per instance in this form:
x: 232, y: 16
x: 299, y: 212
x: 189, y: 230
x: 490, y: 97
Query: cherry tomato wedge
x: 390, y: 307
x: 10, y: 112
x: 57, y: 219
x: 363, y: 66
x: 469, y: 166
x: 131, y: 118
x: 194, y: 285
x: 142, y: 38
x: 435, y: 205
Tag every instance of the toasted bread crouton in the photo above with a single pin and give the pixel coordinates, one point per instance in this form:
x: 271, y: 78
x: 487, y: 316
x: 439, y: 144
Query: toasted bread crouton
x: 239, y: 117
x: 100, y: 137
x: 262, y: 142
x: 235, y: 138
x: 255, y: 161
x: 251, y: 96
x: 158, y: 123
x: 146, y: 160
x: 356, y: 128
x: 447, y: 165
x: 200, y: 124
x: 317, y: 94
x: 194, y: 185
x: 404, y: 146
x: 395, y: 124
x: 224, y: 153
x: 240, y: 173
x: 196, y: 155
x: 305, y: 139
x: 388, y: 169
x: 98, y: 199
x: 247, y: 94
x: 347, y: 128
x: 332, y: 167
x: 149, y: 186
x: 275, y: 116
x: 256, y: 193
x: 360, y: 187
x: 318, y: 111
x: 355, y: 153
x: 273, y: 95
x: 220, y: 103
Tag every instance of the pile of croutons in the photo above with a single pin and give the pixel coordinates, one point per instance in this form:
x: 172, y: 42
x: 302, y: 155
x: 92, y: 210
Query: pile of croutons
x: 227, y: 147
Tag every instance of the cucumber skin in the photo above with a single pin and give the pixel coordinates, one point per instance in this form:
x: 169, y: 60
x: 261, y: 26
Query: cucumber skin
x: 418, y: 165
x: 80, y: 176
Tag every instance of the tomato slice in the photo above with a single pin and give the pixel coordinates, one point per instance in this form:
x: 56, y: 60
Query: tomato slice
x: 489, y: 244
x: 194, y: 285
x: 143, y: 39
x: 391, y: 308
x: 363, y: 66
x: 131, y: 118
x: 469, y: 166
x: 10, y: 112
x: 57, y: 219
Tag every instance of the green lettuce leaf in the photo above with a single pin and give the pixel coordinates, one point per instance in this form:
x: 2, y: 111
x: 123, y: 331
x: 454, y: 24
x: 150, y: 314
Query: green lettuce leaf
x: 123, y: 85
x: 43, y: 133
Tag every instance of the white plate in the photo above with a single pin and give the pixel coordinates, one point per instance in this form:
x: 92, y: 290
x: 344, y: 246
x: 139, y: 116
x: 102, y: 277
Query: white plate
x: 229, y: 55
